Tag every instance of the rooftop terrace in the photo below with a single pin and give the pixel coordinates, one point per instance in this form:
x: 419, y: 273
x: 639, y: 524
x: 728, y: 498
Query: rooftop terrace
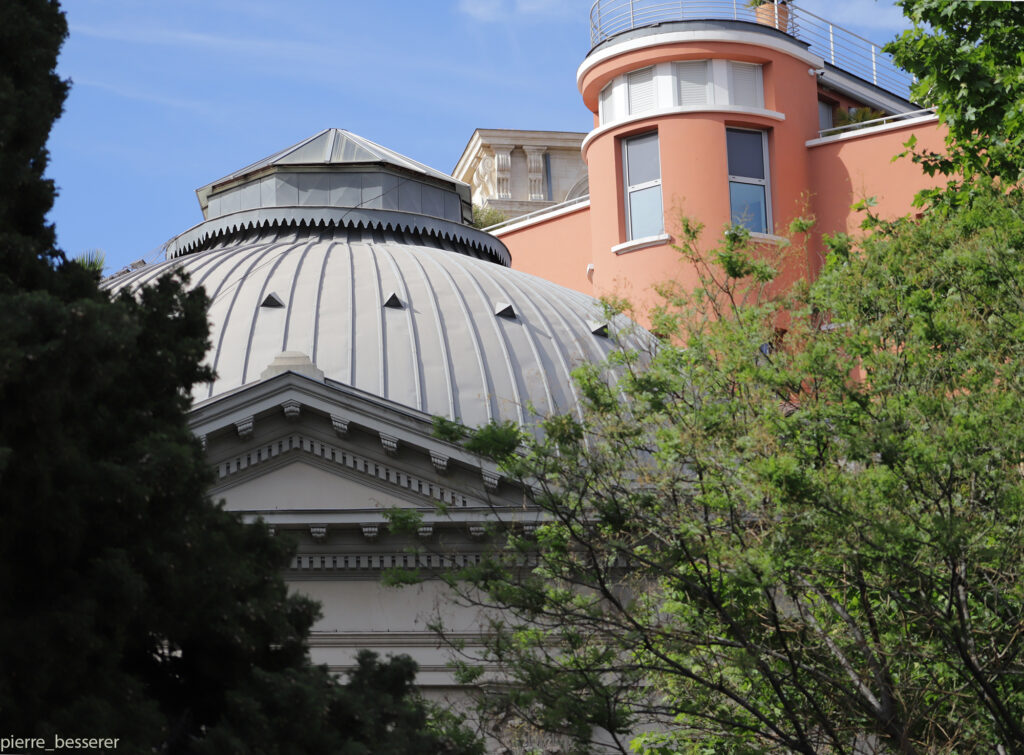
x: 839, y: 47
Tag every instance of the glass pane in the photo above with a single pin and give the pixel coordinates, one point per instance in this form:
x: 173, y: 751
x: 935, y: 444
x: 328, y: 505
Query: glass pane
x: 746, y: 157
x: 645, y: 215
x: 824, y: 115
x: 747, y: 203
x: 642, y: 159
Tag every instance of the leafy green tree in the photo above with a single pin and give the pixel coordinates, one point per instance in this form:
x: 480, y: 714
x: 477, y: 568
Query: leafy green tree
x: 92, y: 259
x: 131, y: 605
x: 484, y: 217
x: 967, y: 57
x: 806, y: 538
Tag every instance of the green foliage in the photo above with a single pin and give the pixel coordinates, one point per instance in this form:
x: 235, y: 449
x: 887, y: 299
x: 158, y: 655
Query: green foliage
x: 449, y: 430
x: 484, y: 217
x: 790, y: 543
x: 31, y: 99
x: 856, y: 116
x: 93, y: 260
x: 967, y: 58
x: 381, y: 713
x: 495, y: 440
x: 402, y: 520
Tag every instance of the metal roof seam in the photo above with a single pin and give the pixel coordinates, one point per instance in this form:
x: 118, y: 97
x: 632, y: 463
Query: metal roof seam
x: 291, y: 293
x: 502, y: 341
x: 415, y: 354
x: 236, y: 287
x: 276, y: 260
x: 442, y: 341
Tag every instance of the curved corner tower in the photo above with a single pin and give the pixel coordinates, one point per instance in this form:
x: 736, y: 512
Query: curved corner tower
x: 709, y: 109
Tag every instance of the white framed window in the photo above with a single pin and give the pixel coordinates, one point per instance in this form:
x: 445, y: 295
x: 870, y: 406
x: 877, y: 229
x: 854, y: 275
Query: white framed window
x: 746, y: 86
x: 749, y: 190
x: 693, y: 82
x: 607, y: 106
x: 682, y: 83
x: 641, y: 168
x: 641, y: 90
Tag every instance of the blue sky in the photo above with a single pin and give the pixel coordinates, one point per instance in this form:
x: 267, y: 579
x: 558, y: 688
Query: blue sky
x: 169, y: 95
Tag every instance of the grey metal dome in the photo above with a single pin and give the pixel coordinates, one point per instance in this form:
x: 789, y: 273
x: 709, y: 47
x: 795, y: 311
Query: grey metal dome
x: 432, y: 330
x: 413, y: 307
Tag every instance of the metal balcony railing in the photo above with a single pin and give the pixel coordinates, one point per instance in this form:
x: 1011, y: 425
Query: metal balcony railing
x: 884, y: 121
x: 838, y: 46
x: 537, y: 213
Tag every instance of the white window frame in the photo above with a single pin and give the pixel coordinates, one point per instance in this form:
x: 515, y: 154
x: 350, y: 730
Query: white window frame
x: 629, y: 190
x: 614, y: 104
x: 606, y: 103
x: 765, y: 182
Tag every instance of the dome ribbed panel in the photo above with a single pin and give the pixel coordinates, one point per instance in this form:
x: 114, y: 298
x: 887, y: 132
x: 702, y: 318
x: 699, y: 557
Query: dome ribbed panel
x: 367, y: 320
x: 335, y: 317
x: 444, y: 352
x: 434, y: 365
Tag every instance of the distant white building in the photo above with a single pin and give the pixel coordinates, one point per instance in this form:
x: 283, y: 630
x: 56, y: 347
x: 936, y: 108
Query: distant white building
x: 517, y: 172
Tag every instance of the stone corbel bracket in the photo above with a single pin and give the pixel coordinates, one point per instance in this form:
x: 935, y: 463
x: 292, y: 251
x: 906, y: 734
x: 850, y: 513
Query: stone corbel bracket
x: 340, y: 425
x: 370, y: 530
x: 440, y: 461
x: 491, y: 479
x: 244, y: 427
x: 390, y: 443
x: 291, y: 409
x: 477, y: 530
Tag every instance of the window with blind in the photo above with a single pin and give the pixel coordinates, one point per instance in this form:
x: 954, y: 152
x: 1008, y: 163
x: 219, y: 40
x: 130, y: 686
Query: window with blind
x: 693, y: 82
x: 641, y: 168
x: 684, y: 84
x: 640, y: 87
x: 745, y: 87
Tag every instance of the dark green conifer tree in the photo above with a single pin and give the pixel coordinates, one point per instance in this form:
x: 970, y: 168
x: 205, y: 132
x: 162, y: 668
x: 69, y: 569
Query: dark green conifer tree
x: 131, y: 605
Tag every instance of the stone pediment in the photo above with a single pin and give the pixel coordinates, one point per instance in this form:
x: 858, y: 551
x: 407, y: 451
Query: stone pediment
x: 304, y: 490
x: 302, y: 453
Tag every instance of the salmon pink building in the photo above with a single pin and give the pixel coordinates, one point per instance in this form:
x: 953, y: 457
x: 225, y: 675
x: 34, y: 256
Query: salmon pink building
x: 726, y: 114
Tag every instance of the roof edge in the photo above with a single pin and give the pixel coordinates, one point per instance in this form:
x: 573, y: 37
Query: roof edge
x: 189, y: 241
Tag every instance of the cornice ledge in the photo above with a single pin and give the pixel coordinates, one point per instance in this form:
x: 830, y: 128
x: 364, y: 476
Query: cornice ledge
x: 341, y: 405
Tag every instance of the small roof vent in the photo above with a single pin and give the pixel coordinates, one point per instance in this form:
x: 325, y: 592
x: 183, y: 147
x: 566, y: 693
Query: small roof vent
x: 505, y: 310
x: 273, y: 301
x: 393, y: 302
x: 599, y: 329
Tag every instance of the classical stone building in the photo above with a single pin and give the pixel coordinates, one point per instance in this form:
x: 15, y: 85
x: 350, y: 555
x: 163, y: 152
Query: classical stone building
x: 519, y: 172
x: 350, y: 304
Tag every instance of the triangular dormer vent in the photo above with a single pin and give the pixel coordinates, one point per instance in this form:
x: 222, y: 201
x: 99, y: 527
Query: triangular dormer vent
x: 393, y: 302
x: 599, y: 329
x: 505, y: 310
x: 273, y: 301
